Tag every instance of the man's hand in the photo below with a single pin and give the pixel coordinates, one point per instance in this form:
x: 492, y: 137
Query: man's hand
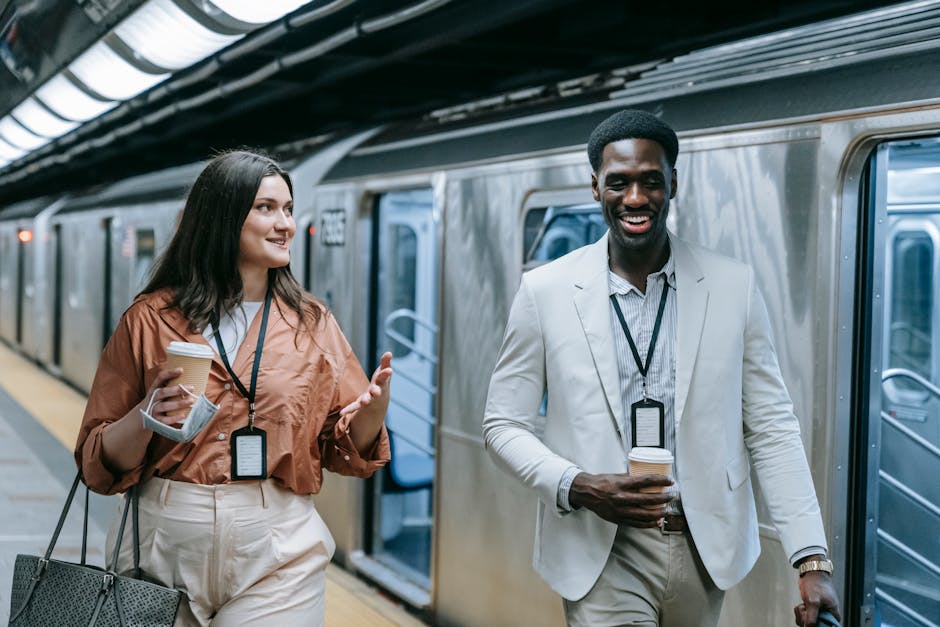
x: 818, y: 593
x: 617, y: 497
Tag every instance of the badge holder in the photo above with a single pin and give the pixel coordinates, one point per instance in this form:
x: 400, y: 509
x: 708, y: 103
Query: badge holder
x: 249, y: 453
x: 648, y: 423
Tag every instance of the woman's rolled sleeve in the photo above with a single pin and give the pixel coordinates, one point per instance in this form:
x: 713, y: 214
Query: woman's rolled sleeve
x: 118, y: 387
x: 337, y: 450
x: 97, y: 476
x: 341, y: 456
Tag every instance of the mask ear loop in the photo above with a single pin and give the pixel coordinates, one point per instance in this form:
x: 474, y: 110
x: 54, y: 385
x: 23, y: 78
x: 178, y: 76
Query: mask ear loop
x: 146, y: 412
x: 187, y: 392
x: 153, y: 400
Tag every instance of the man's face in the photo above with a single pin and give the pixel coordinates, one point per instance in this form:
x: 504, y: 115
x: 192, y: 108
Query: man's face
x: 634, y: 184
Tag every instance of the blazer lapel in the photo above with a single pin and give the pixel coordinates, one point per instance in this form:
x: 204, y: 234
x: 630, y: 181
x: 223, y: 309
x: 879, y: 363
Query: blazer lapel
x: 691, y: 307
x: 590, y: 299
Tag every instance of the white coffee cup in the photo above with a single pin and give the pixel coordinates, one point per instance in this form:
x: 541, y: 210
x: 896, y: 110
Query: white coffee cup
x: 650, y: 460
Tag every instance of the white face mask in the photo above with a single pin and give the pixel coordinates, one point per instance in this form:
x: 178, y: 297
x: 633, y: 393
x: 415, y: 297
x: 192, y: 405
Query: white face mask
x: 199, y: 416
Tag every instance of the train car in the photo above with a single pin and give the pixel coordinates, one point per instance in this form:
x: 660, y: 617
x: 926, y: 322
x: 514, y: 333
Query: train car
x: 811, y: 154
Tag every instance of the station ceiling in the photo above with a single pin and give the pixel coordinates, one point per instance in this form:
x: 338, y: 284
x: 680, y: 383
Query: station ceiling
x: 427, y: 57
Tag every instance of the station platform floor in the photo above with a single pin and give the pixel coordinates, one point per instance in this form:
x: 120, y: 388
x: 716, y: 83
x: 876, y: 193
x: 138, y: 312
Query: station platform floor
x: 39, y: 420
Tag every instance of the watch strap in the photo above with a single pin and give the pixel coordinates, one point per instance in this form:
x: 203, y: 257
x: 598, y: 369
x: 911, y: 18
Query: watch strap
x: 824, y: 565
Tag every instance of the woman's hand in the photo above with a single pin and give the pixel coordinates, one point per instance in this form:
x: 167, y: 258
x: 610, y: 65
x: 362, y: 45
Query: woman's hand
x: 124, y: 442
x: 367, y: 412
x: 171, y: 404
x: 375, y: 397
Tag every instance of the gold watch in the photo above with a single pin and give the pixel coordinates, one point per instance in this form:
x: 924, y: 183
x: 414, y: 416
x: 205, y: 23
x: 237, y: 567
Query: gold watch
x: 814, y: 565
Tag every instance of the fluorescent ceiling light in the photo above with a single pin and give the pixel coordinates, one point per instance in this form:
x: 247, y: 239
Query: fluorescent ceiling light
x: 102, y: 70
x: 62, y: 96
x: 255, y: 12
x: 163, y: 34
x: 14, y: 133
x: 37, y: 119
x: 11, y: 153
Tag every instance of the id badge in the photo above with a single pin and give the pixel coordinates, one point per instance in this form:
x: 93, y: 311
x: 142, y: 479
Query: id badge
x: 249, y: 454
x: 647, y: 423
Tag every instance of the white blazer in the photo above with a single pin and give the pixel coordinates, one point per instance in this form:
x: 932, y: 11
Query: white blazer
x: 732, y: 409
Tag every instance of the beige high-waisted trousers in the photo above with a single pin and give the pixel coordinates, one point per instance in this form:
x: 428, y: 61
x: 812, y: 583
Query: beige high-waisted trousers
x: 245, y: 553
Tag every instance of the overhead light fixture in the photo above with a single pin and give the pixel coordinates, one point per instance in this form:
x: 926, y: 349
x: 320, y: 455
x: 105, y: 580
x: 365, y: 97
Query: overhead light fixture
x: 10, y: 153
x: 104, y: 72
x: 62, y: 96
x: 40, y: 120
x: 16, y: 134
x: 156, y: 40
x: 255, y: 12
x: 167, y: 37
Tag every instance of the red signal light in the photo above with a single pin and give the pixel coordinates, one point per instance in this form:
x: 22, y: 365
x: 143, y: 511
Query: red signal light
x: 312, y: 230
x: 25, y: 235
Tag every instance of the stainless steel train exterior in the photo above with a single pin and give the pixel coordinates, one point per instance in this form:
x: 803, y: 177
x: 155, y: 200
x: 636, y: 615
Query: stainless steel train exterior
x: 823, y: 177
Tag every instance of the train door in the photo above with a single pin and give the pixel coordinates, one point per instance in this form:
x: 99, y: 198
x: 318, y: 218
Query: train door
x: 24, y: 237
x: 404, y: 321
x: 57, y: 304
x: 899, y: 547
x: 8, y: 256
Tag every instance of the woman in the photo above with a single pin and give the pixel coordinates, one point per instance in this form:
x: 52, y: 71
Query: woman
x: 243, y: 551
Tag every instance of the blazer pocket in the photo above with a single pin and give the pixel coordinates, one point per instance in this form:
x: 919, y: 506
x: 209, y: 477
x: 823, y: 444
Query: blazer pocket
x: 738, y: 470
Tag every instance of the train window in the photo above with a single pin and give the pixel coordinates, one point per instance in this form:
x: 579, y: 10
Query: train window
x: 910, y: 333
x: 550, y: 232
x: 143, y: 259
x: 403, y: 243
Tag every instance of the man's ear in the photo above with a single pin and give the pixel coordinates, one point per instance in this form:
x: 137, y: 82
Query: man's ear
x: 674, y: 183
x: 594, y: 189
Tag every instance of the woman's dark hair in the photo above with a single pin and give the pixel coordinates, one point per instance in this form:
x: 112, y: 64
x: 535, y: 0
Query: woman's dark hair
x: 201, y: 263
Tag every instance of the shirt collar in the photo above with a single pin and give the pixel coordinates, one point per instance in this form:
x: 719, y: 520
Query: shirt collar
x: 616, y: 284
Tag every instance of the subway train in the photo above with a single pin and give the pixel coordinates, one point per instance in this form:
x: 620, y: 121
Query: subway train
x: 812, y: 154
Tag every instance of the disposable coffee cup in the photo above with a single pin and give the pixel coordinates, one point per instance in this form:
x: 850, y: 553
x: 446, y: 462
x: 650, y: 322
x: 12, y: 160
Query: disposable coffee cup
x: 194, y: 359
x: 650, y: 460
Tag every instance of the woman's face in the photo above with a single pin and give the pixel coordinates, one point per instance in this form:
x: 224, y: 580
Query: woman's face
x: 269, y: 227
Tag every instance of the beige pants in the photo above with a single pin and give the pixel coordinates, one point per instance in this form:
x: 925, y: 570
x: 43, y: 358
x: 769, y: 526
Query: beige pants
x: 246, y: 553
x: 650, y: 579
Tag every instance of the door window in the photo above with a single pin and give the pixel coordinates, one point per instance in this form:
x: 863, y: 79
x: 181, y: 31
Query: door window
x: 553, y: 231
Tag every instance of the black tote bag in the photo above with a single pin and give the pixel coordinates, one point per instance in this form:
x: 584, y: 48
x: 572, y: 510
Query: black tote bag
x: 49, y: 592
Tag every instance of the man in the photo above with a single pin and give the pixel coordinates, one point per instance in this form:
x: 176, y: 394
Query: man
x: 642, y: 336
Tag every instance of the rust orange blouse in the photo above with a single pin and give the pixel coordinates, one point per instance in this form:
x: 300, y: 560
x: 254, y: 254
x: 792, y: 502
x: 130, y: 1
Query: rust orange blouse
x: 301, y: 388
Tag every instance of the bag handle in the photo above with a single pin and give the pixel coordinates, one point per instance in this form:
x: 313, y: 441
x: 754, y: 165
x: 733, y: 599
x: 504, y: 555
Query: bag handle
x: 109, y: 577
x: 131, y: 499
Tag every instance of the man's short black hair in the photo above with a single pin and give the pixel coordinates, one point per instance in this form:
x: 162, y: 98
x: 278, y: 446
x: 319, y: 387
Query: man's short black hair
x: 632, y: 124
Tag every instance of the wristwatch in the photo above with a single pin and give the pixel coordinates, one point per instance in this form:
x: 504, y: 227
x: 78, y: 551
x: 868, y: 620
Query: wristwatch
x: 813, y: 565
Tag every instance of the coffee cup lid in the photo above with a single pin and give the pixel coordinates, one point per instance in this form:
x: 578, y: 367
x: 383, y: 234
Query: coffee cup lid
x: 189, y: 349
x: 650, y: 455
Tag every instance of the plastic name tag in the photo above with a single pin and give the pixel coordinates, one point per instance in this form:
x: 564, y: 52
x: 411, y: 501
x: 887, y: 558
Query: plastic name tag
x: 647, y: 423
x: 249, y: 454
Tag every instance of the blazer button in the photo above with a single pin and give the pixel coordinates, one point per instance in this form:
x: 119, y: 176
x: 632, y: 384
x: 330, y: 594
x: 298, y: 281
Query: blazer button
x: 227, y: 386
x: 221, y: 436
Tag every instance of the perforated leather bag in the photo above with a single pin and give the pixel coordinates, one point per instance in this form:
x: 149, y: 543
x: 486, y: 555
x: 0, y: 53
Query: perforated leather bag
x: 48, y: 592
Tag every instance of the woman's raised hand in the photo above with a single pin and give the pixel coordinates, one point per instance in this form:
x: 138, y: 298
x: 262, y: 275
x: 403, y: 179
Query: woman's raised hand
x: 374, y: 400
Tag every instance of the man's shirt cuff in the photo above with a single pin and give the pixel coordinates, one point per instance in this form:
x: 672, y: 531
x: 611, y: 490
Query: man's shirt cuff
x: 564, y: 486
x: 810, y: 550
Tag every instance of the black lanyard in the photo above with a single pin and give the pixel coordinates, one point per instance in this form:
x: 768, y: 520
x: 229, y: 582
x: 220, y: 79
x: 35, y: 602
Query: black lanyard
x: 626, y: 330
x: 249, y: 394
